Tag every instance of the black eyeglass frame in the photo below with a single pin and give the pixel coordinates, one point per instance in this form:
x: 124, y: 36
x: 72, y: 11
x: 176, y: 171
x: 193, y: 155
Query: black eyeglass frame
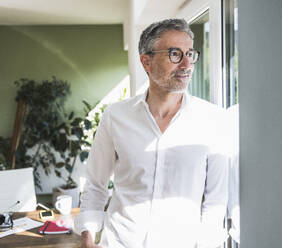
x: 171, y: 49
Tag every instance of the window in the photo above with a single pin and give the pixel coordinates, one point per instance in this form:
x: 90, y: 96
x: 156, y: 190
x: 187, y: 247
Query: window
x: 215, y: 79
x: 230, y: 52
x: 200, y: 83
x: 230, y: 97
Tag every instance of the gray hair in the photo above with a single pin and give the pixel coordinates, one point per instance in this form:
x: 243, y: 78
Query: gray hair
x: 152, y: 33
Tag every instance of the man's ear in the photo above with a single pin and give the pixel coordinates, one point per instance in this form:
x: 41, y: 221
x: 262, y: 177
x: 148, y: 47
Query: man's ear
x: 146, y: 61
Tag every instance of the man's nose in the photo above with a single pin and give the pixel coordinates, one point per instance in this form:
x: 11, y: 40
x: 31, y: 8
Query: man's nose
x: 185, y: 62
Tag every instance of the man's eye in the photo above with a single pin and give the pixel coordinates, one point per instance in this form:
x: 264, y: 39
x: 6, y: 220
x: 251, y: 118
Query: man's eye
x: 174, y: 53
x: 190, y: 54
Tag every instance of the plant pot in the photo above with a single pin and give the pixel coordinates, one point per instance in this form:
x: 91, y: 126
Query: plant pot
x: 73, y: 192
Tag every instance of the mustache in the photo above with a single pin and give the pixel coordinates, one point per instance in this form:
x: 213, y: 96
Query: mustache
x: 187, y: 72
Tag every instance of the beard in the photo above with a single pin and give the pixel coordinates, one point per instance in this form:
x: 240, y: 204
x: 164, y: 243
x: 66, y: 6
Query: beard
x: 177, y: 82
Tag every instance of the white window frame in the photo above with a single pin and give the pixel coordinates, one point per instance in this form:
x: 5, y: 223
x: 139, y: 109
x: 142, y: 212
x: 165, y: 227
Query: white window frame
x: 193, y: 10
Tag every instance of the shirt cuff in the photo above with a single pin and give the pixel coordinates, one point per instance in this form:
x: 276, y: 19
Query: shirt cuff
x: 91, y: 221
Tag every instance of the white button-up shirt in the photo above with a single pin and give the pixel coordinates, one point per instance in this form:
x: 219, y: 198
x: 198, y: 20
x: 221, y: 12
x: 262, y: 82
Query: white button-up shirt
x: 170, y: 188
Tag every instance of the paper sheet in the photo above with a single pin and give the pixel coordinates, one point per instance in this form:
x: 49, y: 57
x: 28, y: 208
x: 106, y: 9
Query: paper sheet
x: 20, y: 225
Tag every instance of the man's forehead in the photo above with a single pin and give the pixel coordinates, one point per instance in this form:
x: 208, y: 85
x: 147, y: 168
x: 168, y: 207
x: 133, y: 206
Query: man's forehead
x: 175, y: 38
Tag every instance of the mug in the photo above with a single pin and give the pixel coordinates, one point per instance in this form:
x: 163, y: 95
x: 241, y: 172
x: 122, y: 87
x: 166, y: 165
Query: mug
x: 63, y: 204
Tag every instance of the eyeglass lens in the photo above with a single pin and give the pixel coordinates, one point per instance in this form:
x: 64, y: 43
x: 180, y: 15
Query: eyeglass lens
x: 176, y: 55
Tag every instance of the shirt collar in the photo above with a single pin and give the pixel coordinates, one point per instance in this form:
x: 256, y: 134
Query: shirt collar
x: 185, y: 100
x: 142, y: 98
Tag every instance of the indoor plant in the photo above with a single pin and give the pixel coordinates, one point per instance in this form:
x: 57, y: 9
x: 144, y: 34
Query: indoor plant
x: 51, y: 138
x: 73, y: 141
x: 44, y: 112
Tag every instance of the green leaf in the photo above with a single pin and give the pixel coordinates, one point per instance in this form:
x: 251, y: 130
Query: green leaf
x: 76, y: 121
x: 78, y: 132
x: 88, y: 124
x: 85, y: 143
x: 88, y: 106
x: 60, y: 165
x: 69, y: 168
x: 58, y: 173
x: 103, y: 108
x: 110, y: 185
x: 61, y: 143
x: 83, y: 155
x: 97, y: 118
x: 71, y: 115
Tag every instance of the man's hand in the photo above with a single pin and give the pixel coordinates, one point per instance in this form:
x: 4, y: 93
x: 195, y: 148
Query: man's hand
x: 87, y: 241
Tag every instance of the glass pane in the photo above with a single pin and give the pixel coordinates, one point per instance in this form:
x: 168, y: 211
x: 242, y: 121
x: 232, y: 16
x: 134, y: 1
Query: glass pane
x: 200, y: 83
x: 231, y: 51
x: 230, y: 82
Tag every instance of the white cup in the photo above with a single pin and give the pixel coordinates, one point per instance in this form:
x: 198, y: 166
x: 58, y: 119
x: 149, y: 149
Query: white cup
x: 63, y: 204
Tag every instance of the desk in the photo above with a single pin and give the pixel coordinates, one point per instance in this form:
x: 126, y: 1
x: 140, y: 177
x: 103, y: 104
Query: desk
x: 32, y: 238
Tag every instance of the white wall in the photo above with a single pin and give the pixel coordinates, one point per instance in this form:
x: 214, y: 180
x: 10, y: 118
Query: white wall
x: 260, y: 93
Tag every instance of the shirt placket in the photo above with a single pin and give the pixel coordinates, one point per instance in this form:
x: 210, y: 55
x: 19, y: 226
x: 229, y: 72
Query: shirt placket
x: 158, y: 184
x: 157, y: 193
x: 158, y: 177
x: 158, y: 180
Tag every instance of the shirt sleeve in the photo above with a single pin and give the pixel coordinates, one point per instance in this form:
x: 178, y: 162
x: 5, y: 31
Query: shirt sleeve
x: 100, y: 166
x: 212, y: 233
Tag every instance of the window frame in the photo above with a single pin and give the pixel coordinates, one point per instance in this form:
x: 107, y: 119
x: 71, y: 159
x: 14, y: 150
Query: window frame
x: 218, y: 82
x: 192, y: 12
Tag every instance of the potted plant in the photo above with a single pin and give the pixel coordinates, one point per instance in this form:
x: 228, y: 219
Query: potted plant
x: 44, y: 112
x: 51, y: 138
x: 71, y: 142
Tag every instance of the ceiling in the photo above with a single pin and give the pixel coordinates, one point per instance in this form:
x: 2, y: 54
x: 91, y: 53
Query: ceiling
x: 49, y: 12
x: 156, y: 10
x: 70, y: 12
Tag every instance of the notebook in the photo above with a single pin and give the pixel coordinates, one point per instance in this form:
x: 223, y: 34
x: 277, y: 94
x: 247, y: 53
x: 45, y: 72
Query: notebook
x: 50, y: 227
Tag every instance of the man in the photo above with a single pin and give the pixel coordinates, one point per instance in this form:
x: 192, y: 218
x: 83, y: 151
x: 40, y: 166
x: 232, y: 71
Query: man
x: 163, y: 149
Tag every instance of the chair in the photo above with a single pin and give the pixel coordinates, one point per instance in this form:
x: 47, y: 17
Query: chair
x: 17, y: 191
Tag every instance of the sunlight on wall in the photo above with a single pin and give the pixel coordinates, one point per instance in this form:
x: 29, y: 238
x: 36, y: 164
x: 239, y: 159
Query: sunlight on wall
x: 52, y: 48
x: 116, y: 93
x: 113, y: 96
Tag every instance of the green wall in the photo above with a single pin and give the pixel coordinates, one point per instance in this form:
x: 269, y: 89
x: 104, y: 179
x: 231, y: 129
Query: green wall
x: 90, y: 58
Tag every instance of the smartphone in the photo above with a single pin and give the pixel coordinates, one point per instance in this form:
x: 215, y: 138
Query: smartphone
x: 46, y: 214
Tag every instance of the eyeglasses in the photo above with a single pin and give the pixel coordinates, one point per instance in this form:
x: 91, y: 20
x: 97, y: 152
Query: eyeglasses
x: 176, y: 54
